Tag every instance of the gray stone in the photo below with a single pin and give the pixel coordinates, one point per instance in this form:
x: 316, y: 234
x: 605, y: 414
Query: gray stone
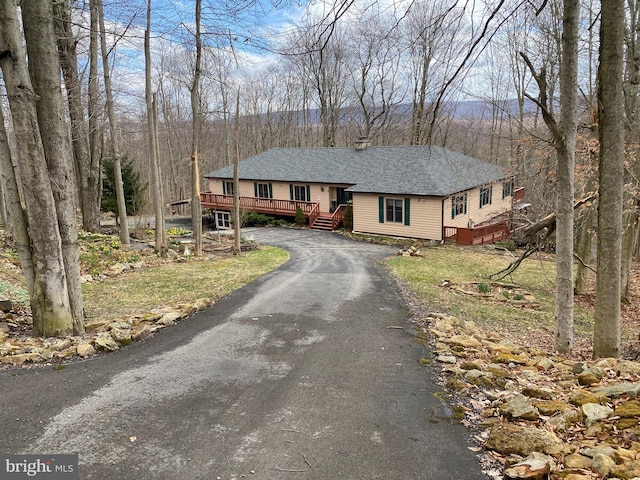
x: 121, y: 336
x: 594, y: 412
x: 518, y: 406
x: 618, y: 390
x: 602, y: 464
x: 508, y: 439
x: 85, y: 350
x: 105, y: 342
x: 169, y: 318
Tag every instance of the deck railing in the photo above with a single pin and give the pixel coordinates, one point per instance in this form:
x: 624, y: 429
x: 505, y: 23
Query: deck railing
x: 338, y: 215
x: 491, y: 233
x: 262, y: 205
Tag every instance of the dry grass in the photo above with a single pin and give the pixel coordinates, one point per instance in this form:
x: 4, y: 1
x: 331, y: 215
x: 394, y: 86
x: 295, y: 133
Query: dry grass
x: 465, y: 265
x: 138, y: 291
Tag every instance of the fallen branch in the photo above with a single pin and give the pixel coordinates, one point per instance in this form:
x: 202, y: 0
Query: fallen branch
x: 505, y: 272
x: 549, y: 222
x: 584, y: 264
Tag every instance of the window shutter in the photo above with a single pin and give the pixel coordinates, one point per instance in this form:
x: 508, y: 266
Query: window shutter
x: 381, y: 209
x: 255, y: 189
x: 490, y: 194
x: 308, y: 193
x: 224, y: 187
x: 407, y: 212
x: 291, y: 191
x: 453, y: 207
x: 465, y: 203
x: 270, y: 190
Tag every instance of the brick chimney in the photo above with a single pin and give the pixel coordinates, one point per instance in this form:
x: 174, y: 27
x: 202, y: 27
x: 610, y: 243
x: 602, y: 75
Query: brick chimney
x: 362, y: 143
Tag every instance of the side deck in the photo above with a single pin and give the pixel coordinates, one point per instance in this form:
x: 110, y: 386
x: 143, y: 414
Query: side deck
x: 274, y: 206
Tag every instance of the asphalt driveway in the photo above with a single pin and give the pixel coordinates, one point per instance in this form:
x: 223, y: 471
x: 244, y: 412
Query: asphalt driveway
x: 296, y: 376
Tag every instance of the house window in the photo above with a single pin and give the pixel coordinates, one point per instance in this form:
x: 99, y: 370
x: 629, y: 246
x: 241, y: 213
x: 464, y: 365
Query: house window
x: 227, y: 188
x: 507, y: 189
x: 458, y: 205
x: 485, y: 196
x: 223, y: 220
x: 263, y: 190
x: 300, y: 193
x: 394, y: 210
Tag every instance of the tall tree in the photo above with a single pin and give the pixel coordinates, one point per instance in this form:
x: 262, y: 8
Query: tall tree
x: 50, y: 305
x: 606, y: 335
x: 563, y: 134
x: 113, y: 127
x: 196, y: 206
x: 37, y: 18
x: 152, y: 123
x: 565, y: 143
x: 86, y: 166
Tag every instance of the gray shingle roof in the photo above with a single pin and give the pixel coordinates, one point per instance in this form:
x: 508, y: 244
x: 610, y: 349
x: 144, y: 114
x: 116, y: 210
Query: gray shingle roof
x: 408, y: 170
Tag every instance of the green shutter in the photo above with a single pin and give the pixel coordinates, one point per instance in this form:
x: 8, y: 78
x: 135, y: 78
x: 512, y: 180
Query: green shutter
x: 407, y: 211
x: 255, y: 189
x: 453, y: 207
x: 381, y: 209
x: 465, y: 204
x: 490, y: 194
x: 291, y: 191
x: 270, y: 190
x: 308, y: 193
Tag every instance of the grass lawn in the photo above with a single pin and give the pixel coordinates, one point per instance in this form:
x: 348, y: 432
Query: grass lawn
x: 138, y: 291
x: 469, y: 266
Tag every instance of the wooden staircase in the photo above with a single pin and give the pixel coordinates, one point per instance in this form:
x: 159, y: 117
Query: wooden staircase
x: 323, y: 222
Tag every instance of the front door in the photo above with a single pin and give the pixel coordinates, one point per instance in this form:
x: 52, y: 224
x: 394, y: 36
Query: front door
x: 343, y: 196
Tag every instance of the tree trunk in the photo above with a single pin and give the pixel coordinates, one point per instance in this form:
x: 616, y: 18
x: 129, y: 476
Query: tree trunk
x: 236, y: 180
x: 196, y: 207
x: 115, y: 149
x: 37, y: 18
x: 15, y: 213
x: 87, y: 172
x: 94, y: 107
x: 606, y: 334
x: 49, y: 297
x: 565, y: 146
x: 153, y: 141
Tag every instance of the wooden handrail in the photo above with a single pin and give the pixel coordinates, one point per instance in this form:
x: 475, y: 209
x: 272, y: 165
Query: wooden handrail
x: 491, y: 233
x: 265, y: 205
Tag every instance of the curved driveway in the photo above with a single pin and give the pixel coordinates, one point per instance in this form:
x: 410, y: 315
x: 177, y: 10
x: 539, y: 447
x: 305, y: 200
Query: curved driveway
x: 296, y: 376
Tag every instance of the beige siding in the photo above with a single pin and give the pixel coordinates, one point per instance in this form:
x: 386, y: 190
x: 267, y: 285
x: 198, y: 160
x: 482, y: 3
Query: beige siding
x: 476, y: 215
x: 281, y: 190
x: 425, y: 217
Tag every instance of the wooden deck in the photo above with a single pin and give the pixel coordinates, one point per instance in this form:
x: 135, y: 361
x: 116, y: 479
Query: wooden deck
x: 273, y: 206
x: 491, y: 233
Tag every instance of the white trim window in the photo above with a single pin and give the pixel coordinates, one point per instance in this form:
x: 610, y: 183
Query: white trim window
x: 223, y: 220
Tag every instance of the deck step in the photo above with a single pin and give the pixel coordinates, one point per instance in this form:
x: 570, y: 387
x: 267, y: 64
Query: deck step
x: 323, y: 223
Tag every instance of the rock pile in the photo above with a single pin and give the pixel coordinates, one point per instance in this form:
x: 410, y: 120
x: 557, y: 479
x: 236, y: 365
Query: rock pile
x: 411, y: 251
x: 540, y: 415
x: 100, y: 336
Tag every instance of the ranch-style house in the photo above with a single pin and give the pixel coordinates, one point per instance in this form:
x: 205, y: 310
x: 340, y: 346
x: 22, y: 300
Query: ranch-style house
x: 422, y: 192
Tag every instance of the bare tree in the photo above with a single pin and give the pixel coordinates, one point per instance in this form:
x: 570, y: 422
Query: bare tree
x: 50, y: 304
x: 606, y: 335
x: 113, y: 128
x: 196, y: 207
x: 87, y: 166
x: 156, y: 175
